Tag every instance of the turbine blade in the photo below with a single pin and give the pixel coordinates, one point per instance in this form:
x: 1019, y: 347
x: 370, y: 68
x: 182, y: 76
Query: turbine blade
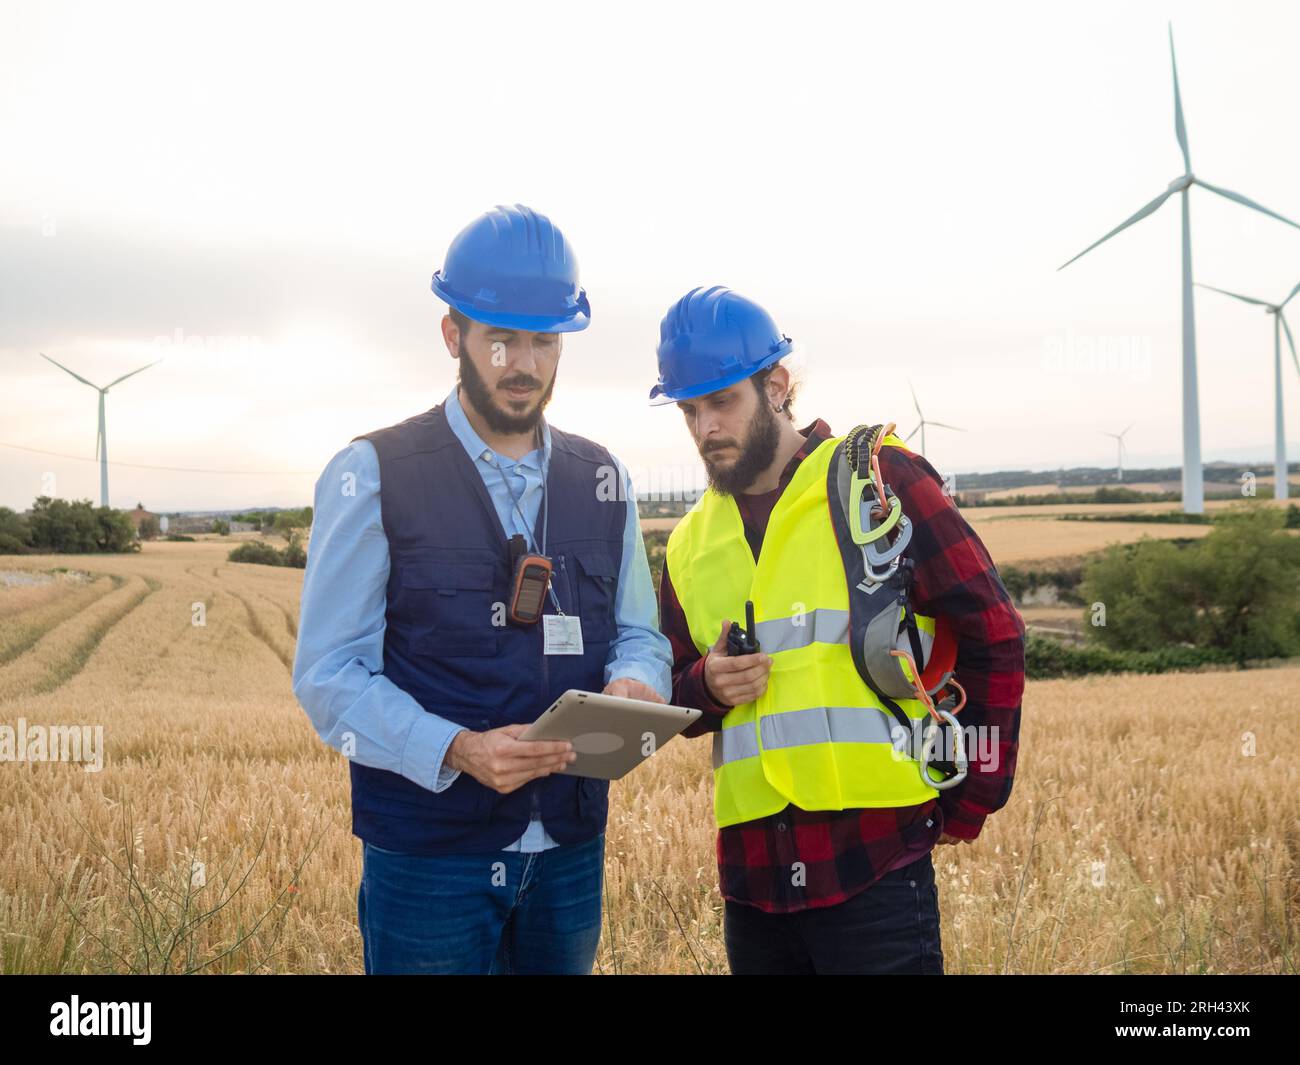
x: 1234, y: 295
x: 914, y: 401
x: 911, y: 434
x: 1239, y: 198
x: 944, y: 425
x: 66, y: 370
x: 1180, y: 128
x: 131, y: 374
x: 1290, y: 297
x: 1123, y: 225
x: 1290, y: 340
x: 1126, y: 429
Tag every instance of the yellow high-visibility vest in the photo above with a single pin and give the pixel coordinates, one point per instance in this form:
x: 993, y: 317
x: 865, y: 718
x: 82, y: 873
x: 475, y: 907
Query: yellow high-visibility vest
x: 818, y: 737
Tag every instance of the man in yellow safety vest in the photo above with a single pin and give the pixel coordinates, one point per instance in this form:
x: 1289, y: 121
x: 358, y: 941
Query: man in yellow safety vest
x: 827, y: 800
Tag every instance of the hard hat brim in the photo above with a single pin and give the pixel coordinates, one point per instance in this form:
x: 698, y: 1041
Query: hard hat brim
x: 660, y: 396
x: 532, y: 323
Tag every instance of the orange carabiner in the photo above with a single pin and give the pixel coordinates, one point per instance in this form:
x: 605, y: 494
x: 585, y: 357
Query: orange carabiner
x: 923, y: 695
x: 917, y: 686
x: 952, y: 683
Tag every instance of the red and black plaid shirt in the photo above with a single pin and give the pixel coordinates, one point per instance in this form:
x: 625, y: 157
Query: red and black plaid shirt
x: 845, y: 851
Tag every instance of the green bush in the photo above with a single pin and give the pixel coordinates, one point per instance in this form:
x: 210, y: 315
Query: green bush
x: 1236, y: 590
x: 255, y: 551
x: 286, y: 521
x: 1046, y: 657
x: 293, y: 554
x: 262, y: 553
x: 1020, y: 582
x: 15, y: 534
x: 64, y: 527
x: 1168, y: 517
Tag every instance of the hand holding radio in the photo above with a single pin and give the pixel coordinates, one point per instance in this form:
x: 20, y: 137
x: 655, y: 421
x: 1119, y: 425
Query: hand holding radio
x: 735, y: 669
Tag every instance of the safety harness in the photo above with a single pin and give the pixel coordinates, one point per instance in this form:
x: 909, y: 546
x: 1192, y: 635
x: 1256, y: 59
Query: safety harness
x: 873, y: 533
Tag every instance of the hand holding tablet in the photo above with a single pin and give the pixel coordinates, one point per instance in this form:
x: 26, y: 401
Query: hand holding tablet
x: 610, y: 734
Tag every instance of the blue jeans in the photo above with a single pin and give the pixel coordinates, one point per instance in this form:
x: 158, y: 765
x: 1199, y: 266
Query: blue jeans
x: 501, y: 912
x: 891, y: 927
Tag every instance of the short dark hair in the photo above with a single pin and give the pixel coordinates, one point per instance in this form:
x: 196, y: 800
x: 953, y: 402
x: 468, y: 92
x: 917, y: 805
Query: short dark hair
x: 760, y: 385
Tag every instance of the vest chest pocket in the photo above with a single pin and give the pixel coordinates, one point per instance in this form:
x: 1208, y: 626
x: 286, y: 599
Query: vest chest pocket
x: 596, y: 580
x: 453, y: 608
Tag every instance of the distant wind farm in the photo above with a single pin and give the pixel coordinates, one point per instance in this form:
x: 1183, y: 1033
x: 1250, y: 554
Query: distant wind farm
x: 1193, y: 474
x: 1279, y: 418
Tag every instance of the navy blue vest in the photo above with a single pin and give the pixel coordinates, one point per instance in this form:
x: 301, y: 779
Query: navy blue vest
x: 449, y: 571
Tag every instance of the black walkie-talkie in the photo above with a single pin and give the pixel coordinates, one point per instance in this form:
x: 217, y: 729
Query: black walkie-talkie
x: 741, y: 641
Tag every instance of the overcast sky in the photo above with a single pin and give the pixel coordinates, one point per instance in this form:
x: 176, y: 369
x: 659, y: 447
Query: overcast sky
x: 261, y: 194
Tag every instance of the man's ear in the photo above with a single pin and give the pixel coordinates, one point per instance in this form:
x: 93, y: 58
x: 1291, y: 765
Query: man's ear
x: 778, y: 386
x: 451, y: 336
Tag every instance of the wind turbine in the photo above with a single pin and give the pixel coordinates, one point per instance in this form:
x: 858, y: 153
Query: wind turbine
x: 1193, y: 475
x: 1280, y: 477
x: 923, y: 422
x: 101, y: 439
x: 1119, y: 457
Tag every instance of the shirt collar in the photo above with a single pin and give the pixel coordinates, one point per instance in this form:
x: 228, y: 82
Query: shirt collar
x: 474, y: 444
x: 817, y: 432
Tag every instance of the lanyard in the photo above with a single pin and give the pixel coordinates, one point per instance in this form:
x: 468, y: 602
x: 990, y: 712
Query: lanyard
x: 546, y: 514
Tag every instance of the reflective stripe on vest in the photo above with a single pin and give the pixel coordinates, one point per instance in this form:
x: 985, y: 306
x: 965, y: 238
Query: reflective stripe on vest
x: 819, y: 724
x: 818, y: 737
x: 830, y: 626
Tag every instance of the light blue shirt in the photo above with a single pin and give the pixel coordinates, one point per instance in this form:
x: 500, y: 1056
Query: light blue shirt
x: 338, y: 666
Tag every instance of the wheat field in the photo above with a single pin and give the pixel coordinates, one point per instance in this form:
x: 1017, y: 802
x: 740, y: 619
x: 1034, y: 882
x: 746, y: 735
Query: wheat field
x: 1153, y: 826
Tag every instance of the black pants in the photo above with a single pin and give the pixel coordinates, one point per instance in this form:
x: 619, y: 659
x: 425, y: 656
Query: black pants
x: 891, y: 927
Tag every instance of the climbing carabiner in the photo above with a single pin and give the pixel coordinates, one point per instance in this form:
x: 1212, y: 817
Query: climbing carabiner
x: 876, y: 556
x: 872, y: 509
x: 959, y: 751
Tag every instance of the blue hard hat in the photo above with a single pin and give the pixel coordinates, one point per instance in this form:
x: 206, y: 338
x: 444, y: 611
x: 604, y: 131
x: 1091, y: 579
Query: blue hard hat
x: 512, y: 267
x: 712, y: 338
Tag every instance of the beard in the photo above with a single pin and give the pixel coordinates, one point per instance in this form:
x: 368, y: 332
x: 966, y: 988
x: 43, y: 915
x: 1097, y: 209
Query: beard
x: 480, y: 396
x: 756, y: 454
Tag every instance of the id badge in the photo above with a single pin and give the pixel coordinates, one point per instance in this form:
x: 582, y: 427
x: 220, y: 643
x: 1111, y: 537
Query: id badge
x: 561, y: 634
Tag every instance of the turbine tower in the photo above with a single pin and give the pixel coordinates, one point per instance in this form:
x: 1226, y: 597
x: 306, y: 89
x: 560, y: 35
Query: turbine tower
x: 1280, y: 473
x: 101, y: 439
x: 923, y: 422
x: 1193, y: 475
x: 1119, y: 457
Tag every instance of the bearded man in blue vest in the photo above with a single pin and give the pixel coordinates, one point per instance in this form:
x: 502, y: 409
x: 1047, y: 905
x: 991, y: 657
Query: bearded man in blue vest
x: 414, y: 659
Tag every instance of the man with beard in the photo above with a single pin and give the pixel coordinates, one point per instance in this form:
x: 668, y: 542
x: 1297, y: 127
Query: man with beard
x: 422, y: 658
x: 825, y: 830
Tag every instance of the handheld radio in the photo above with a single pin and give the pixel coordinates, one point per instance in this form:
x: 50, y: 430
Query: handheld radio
x: 741, y: 641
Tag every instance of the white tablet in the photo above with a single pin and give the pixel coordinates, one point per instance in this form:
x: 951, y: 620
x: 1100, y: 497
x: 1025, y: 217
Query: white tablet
x: 610, y: 735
